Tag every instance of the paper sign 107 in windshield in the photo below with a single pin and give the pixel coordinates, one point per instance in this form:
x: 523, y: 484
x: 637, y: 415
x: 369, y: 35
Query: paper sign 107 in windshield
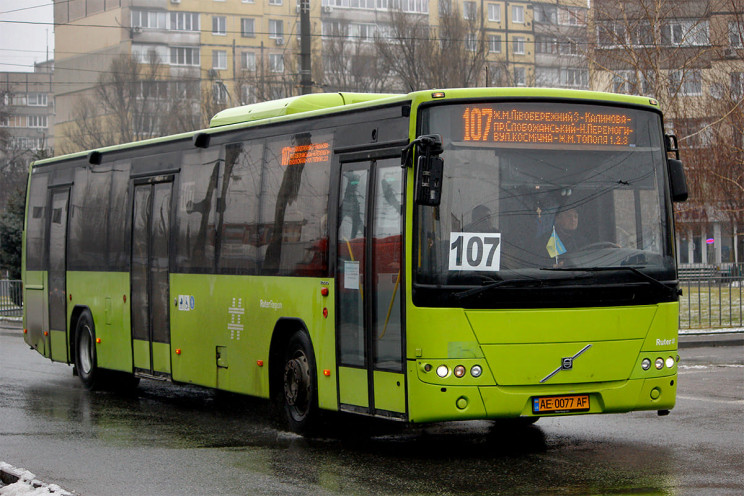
x: 475, y: 251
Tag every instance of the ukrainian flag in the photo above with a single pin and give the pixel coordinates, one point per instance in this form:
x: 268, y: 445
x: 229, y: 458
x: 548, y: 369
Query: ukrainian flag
x: 555, y: 245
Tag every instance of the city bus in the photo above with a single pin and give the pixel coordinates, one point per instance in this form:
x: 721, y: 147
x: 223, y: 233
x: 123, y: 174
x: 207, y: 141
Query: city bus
x: 492, y: 253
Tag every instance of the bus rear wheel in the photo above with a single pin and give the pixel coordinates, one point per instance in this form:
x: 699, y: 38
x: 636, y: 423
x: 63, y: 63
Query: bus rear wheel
x: 85, y: 352
x: 299, y: 389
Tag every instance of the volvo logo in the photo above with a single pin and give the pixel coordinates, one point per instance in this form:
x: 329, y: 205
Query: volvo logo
x: 566, y: 363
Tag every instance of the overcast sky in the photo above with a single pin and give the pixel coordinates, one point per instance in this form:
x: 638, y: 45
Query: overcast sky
x: 23, y: 43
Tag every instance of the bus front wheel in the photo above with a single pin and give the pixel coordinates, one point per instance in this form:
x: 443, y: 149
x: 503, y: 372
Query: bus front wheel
x: 299, y: 389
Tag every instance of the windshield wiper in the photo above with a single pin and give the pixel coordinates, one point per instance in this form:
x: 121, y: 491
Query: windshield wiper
x: 490, y: 283
x: 634, y: 270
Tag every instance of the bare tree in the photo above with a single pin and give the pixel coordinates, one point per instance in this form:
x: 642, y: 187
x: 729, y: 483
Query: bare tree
x: 350, y: 62
x: 132, y: 101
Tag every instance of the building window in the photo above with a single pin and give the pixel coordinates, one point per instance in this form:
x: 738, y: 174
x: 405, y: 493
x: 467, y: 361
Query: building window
x: 547, y: 14
x: 471, y: 42
x: 275, y: 2
x: 445, y: 7
x: 546, y: 44
x: 276, y: 62
x: 494, y: 12
x: 149, y: 19
x: 611, y: 34
x: 248, y: 61
x: 571, y: 16
x: 518, y: 14
x: 276, y: 29
x: 37, y: 121
x: 37, y: 99
x: 494, y: 43
x: 219, y: 92
x: 469, y: 10
x: 519, y: 76
x: 184, y: 56
x: 147, y: 54
x: 575, y: 78
x: 518, y: 45
x: 184, y: 21
x: 247, y: 27
x: 736, y: 34
x: 247, y: 94
x: 686, y: 84
x: 219, y: 25
x: 685, y: 33
x: 219, y: 59
x: 737, y: 84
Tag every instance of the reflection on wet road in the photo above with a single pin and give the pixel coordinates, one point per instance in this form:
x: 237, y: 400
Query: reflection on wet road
x: 185, y: 440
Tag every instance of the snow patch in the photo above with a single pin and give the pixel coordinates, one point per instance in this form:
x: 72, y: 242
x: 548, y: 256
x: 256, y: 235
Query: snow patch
x: 27, y: 485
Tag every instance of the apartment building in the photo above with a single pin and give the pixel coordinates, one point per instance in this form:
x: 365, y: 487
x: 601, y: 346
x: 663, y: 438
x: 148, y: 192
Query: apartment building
x: 222, y: 53
x: 28, y: 101
x: 689, y: 57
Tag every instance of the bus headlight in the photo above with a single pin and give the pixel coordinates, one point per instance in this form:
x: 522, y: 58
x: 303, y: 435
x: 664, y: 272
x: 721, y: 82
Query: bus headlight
x: 646, y: 364
x: 442, y: 371
x: 459, y: 371
x: 476, y: 371
x: 659, y: 363
x: 670, y: 362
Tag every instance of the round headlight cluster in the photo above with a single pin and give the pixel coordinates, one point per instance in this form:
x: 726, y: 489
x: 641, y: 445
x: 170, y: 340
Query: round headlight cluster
x: 459, y: 371
x: 659, y: 363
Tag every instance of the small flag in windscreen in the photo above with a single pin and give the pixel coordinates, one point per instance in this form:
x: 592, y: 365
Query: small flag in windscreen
x: 555, y: 245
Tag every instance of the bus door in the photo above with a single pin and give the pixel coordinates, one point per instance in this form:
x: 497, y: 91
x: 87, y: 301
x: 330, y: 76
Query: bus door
x: 57, y: 252
x: 151, y: 227
x: 369, y: 326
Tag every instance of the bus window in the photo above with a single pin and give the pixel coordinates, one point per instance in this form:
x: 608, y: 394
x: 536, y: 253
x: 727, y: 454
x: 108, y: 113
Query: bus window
x: 294, y: 198
x: 36, y: 222
x: 88, y: 218
x: 241, y: 188
x: 196, y: 210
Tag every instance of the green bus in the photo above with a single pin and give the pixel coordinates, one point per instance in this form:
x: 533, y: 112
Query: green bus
x: 481, y: 253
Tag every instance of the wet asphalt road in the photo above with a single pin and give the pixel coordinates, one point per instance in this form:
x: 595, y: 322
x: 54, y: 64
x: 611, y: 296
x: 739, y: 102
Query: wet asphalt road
x: 170, y: 440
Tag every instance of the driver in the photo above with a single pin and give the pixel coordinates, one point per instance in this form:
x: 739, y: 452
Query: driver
x: 565, y: 236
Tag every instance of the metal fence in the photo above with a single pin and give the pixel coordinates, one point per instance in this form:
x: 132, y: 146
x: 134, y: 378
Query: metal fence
x: 711, y: 302
x: 11, y: 298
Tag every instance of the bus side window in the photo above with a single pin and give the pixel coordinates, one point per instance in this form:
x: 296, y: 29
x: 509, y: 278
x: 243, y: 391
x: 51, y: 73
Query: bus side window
x: 36, y: 222
x: 88, y: 224
x: 294, y: 200
x: 238, y: 225
x: 197, y: 199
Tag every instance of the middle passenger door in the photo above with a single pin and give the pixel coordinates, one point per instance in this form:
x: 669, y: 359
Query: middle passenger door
x: 369, y: 325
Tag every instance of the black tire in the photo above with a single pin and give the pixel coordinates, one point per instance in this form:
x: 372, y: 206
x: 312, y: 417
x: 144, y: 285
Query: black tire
x: 86, y: 362
x: 299, y: 391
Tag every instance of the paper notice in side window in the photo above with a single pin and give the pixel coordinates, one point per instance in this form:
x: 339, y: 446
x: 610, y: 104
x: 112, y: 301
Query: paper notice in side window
x: 351, y: 275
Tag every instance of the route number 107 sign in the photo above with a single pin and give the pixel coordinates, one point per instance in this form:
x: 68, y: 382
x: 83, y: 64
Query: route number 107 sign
x: 475, y: 251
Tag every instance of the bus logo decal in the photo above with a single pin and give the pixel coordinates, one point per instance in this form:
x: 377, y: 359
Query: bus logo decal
x: 566, y: 363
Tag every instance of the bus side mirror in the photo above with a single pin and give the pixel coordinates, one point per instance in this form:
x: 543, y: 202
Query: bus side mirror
x: 677, y: 181
x: 429, y: 170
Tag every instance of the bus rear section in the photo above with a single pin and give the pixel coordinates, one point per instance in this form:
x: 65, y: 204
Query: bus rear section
x: 543, y: 281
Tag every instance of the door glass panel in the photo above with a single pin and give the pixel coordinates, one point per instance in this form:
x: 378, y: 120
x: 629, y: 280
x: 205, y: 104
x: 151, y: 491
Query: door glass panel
x: 386, y: 257
x: 57, y: 262
x: 351, y: 249
x: 159, y: 262
x: 140, y: 309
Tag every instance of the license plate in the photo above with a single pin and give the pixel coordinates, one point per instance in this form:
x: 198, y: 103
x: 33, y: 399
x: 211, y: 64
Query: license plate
x: 558, y: 404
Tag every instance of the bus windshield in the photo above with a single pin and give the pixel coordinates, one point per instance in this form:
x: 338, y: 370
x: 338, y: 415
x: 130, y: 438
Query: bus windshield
x: 547, y: 197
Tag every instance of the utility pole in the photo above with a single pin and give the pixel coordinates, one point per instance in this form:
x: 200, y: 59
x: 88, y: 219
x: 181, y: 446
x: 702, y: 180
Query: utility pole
x: 306, y: 83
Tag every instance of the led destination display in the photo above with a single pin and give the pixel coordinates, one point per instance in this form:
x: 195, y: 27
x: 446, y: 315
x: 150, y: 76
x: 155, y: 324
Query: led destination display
x: 510, y: 125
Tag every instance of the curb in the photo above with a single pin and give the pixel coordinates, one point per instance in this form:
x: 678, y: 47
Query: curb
x: 711, y: 339
x: 10, y: 475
